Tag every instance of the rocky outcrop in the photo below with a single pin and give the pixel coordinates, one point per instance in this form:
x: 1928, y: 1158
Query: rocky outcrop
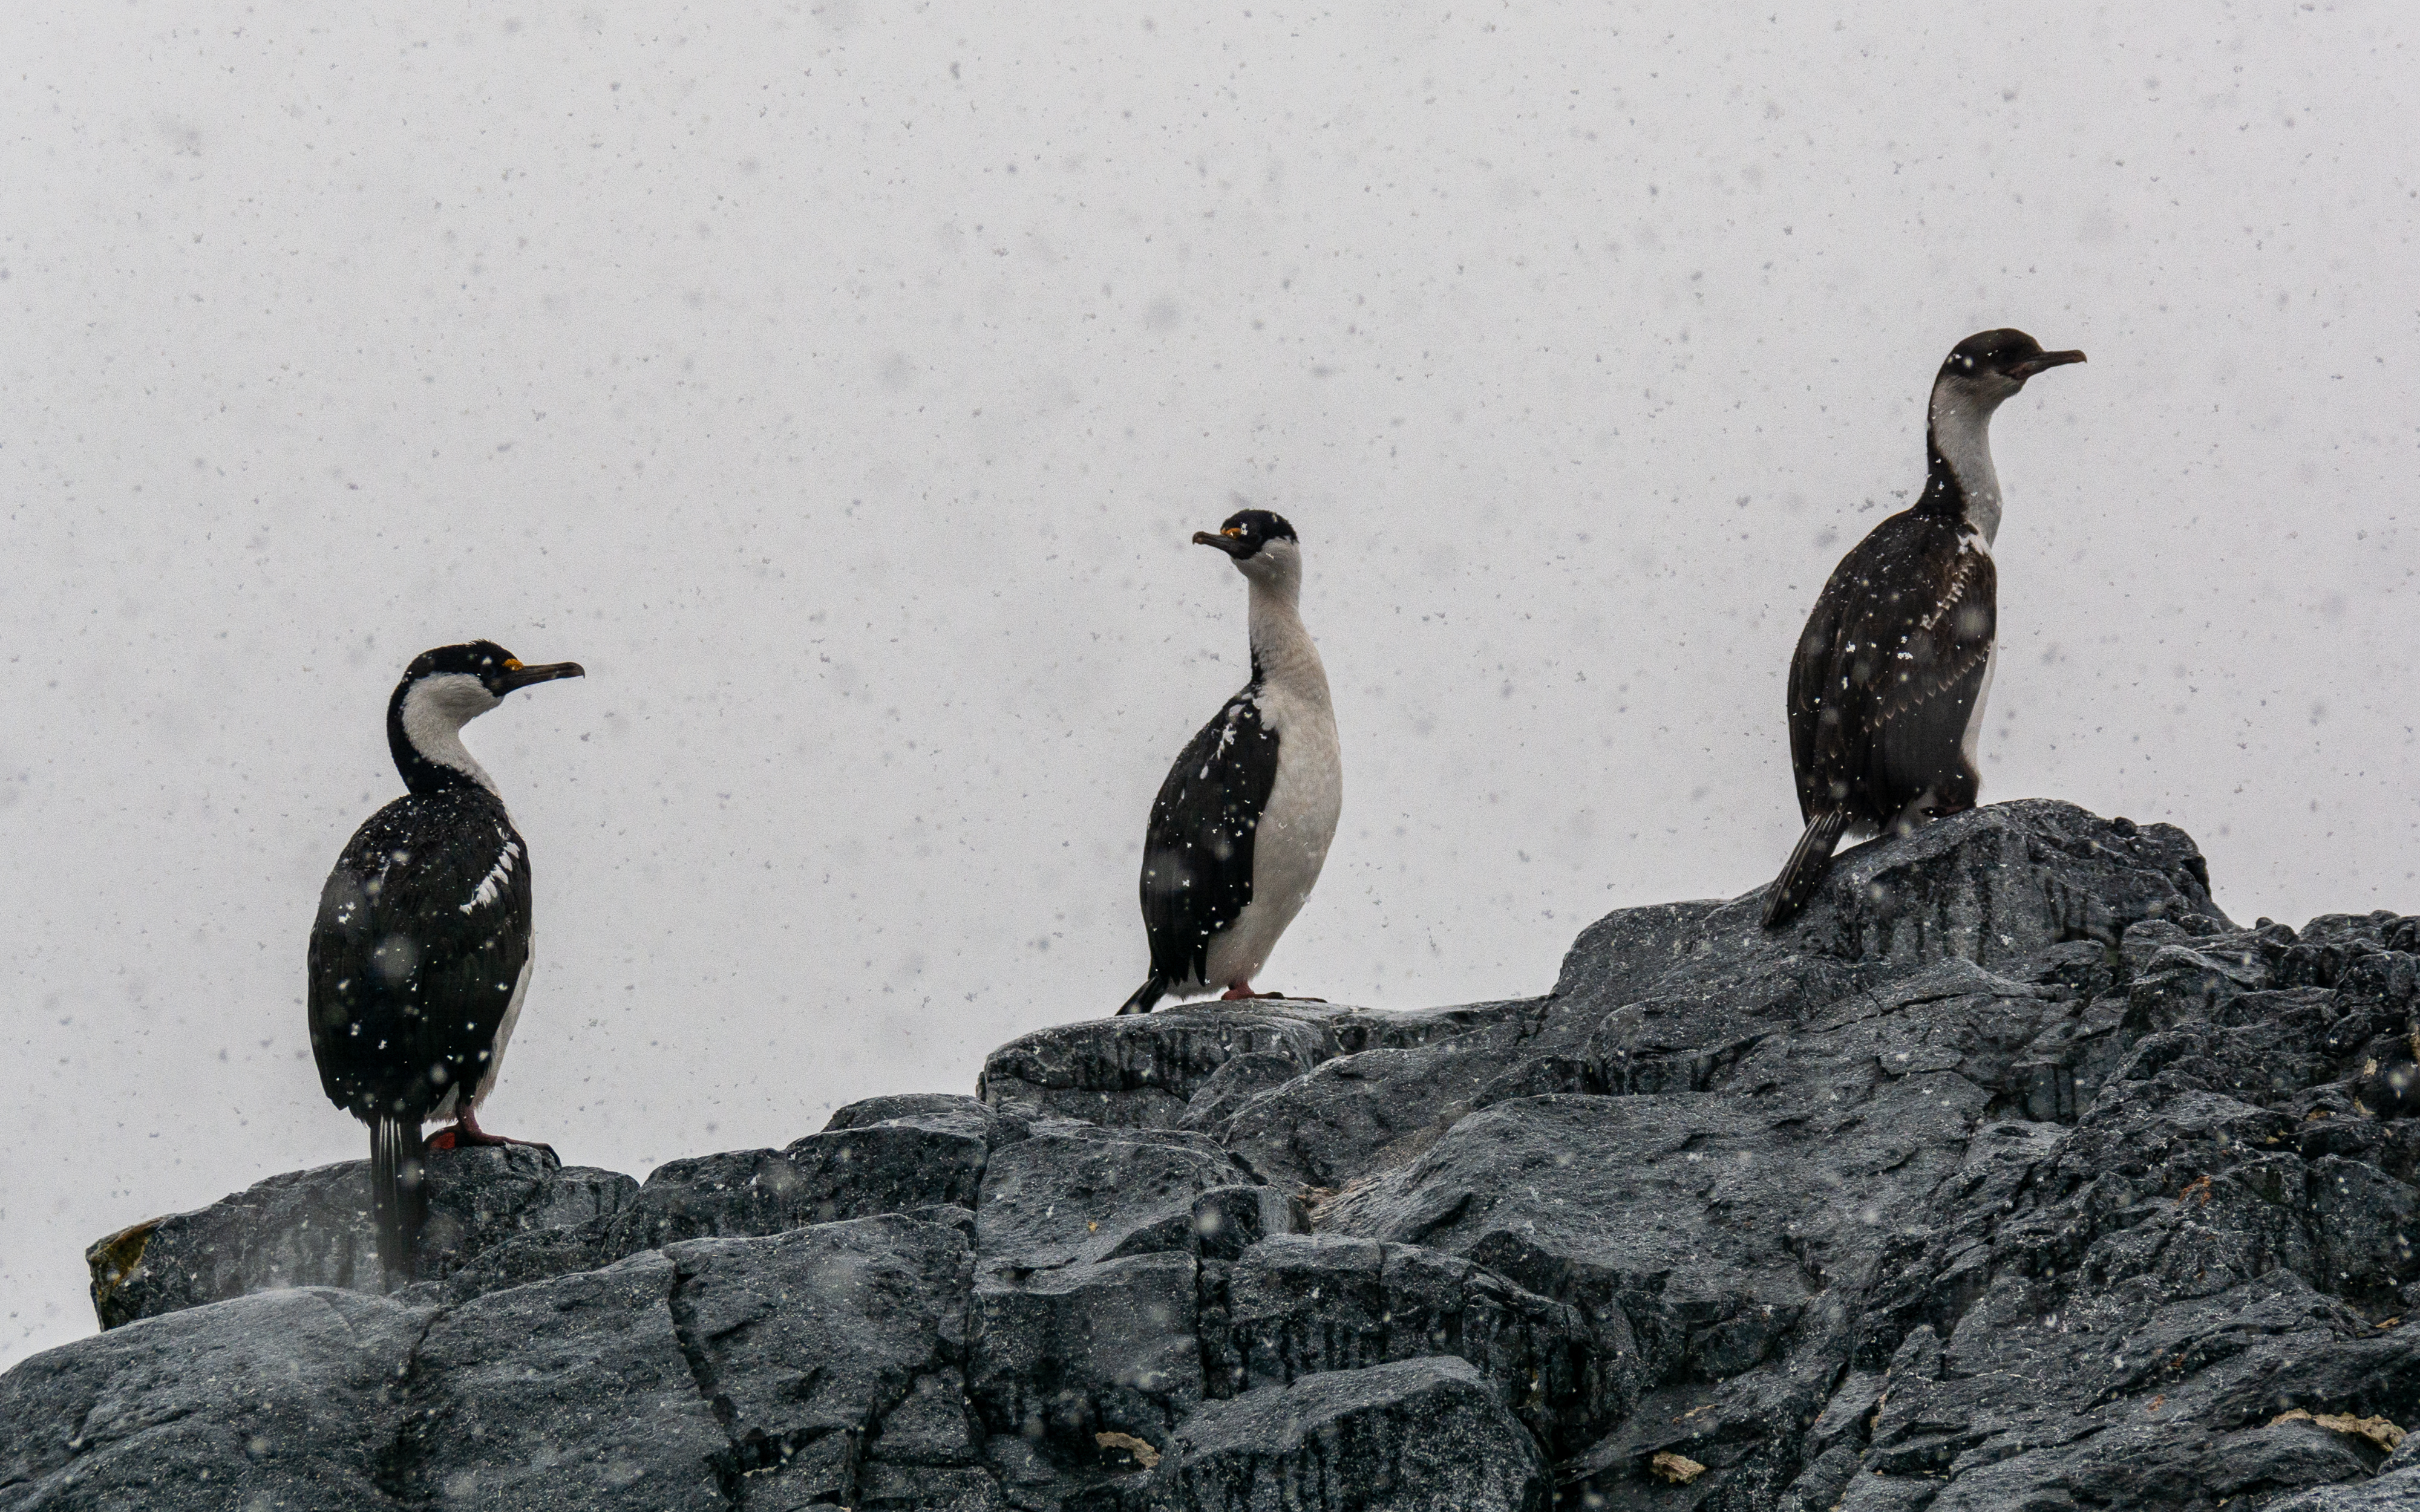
x: 313, y: 1229
x: 2011, y: 1175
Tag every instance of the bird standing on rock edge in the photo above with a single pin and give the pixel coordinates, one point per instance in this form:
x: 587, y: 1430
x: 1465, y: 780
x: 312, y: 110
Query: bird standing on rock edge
x: 1888, y: 687
x: 421, y: 952
x: 1243, y: 823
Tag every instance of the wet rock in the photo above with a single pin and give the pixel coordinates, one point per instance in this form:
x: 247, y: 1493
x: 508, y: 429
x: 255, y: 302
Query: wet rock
x: 2398, y: 1491
x: 1236, y: 1083
x: 278, y: 1399
x: 573, y: 1392
x: 1065, y: 1196
x: 2010, y: 1175
x: 933, y: 1154
x: 732, y: 1194
x: 900, y: 1488
x: 894, y: 1166
x: 917, y: 1162
x: 2290, y: 1454
x: 1360, y: 1113
x: 1087, y: 1349
x: 2004, y: 881
x: 1423, y: 1435
x: 933, y: 1110
x: 1142, y: 1070
x: 1305, y: 1305
x: 1221, y: 1224
x: 313, y: 1229
x: 830, y: 1350
x: 1755, y: 1200
x: 1541, y: 1076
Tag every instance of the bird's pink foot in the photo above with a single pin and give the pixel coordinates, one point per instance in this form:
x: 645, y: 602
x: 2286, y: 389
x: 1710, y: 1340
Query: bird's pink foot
x: 465, y: 1134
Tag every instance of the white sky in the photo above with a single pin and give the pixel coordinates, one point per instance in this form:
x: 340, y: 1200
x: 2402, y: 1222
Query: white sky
x: 841, y: 384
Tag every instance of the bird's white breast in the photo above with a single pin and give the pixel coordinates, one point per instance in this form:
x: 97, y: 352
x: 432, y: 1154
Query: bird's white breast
x: 1289, y: 843
x: 1975, y: 716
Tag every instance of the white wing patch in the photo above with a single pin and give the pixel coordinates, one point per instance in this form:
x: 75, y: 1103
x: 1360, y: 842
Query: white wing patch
x: 1226, y: 735
x: 491, y: 887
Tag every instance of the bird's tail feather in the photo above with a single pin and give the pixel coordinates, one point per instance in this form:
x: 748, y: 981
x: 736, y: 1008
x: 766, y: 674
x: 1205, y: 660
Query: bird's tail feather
x: 395, y: 1193
x: 1145, y: 996
x: 1805, y: 867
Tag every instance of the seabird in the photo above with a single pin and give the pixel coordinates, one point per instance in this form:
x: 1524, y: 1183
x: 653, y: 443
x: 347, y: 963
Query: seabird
x: 421, y: 952
x: 1242, y: 826
x: 1888, y: 687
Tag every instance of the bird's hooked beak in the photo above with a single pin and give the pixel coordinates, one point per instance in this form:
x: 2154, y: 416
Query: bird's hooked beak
x: 2048, y: 360
x: 516, y: 675
x: 1230, y: 541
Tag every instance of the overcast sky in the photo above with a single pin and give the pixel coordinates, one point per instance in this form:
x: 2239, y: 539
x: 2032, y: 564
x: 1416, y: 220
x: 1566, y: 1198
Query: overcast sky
x: 841, y: 383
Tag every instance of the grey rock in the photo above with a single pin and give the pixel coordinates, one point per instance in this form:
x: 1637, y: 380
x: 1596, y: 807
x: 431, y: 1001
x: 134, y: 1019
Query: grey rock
x: 1301, y: 1306
x: 732, y: 1194
x: 280, y: 1399
x: 1824, y: 1481
x: 2004, y: 881
x: 902, y: 1488
x: 930, y: 1156
x: 1874, y: 1491
x: 573, y: 1392
x: 932, y: 1110
x: 1087, y: 1349
x: 829, y: 1350
x: 2396, y: 1492
x: 312, y: 1229
x: 916, y: 1162
x: 1142, y: 1070
x: 538, y: 1254
x: 2012, y: 1175
x: 1360, y: 1113
x: 2406, y: 1457
x: 1237, y: 1082
x: 1222, y: 1223
x: 855, y: 1172
x: 2292, y: 1453
x: 1753, y: 1200
x: 1067, y: 1196
x: 1424, y: 1435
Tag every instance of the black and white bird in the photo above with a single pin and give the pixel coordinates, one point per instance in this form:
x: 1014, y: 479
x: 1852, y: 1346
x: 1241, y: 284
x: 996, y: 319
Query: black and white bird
x: 1242, y: 826
x: 1888, y: 687
x: 421, y: 953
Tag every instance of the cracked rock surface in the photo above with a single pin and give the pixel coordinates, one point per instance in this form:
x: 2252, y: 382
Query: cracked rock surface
x: 2011, y: 1175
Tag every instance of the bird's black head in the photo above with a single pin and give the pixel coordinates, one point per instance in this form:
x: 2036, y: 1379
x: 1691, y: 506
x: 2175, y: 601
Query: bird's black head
x: 441, y: 691
x: 2005, y: 356
x: 1247, y: 532
x: 498, y: 670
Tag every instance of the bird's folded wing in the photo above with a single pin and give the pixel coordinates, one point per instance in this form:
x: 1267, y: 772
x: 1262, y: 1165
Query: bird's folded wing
x: 1198, y: 856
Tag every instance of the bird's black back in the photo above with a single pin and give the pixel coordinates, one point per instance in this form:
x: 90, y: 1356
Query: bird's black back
x: 1888, y: 670
x: 408, y: 985
x: 1197, y: 855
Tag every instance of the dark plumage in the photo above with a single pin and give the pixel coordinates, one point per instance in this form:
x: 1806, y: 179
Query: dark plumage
x: 1888, y: 686
x: 1197, y: 870
x: 1243, y: 822
x: 420, y: 953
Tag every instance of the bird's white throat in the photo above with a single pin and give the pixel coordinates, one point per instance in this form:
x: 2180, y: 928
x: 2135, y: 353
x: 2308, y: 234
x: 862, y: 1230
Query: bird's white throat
x: 1281, y: 647
x: 434, y: 712
x: 1961, y: 432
